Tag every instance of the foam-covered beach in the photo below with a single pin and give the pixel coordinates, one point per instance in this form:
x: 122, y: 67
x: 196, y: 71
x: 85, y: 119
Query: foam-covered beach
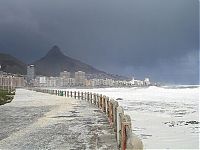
x: 163, y: 117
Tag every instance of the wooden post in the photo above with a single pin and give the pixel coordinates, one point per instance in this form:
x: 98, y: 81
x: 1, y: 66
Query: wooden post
x: 111, y: 111
x: 71, y: 93
x: 120, y: 116
x: 106, y: 105
x: 85, y: 96
x: 75, y: 94
x: 115, y: 105
x: 82, y: 95
x: 131, y: 141
x: 102, y: 108
x: 100, y: 101
x: 88, y: 97
x: 78, y: 95
x: 94, y: 98
x: 97, y: 103
x: 91, y: 100
x: 123, y: 130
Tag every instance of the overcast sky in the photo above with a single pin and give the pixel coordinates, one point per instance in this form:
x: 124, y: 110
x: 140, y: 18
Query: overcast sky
x: 154, y: 38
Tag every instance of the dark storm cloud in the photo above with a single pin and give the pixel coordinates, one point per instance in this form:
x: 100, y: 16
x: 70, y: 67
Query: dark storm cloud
x: 141, y: 37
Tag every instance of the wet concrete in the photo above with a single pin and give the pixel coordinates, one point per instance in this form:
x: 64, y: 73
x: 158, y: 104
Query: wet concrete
x: 41, y: 121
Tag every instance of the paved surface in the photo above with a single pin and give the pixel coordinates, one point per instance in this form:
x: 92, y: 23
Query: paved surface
x: 41, y: 121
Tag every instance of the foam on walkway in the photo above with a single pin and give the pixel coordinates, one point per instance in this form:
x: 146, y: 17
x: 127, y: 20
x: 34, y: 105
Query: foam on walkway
x: 41, y: 121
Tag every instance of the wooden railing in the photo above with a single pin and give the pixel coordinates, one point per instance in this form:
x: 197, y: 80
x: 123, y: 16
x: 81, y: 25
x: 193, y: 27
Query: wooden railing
x: 120, y: 122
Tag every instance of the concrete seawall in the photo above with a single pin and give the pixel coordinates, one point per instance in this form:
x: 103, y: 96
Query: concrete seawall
x: 120, y: 122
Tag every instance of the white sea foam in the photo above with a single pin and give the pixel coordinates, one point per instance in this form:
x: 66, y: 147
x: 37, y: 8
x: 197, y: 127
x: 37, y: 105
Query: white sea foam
x: 163, y: 117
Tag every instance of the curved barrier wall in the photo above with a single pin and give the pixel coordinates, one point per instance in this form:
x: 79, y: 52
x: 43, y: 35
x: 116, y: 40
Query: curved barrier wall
x: 120, y: 122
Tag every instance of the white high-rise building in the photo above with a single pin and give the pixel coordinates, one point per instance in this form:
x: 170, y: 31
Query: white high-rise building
x: 80, y: 78
x: 132, y: 81
x: 70, y: 82
x: 30, y: 73
x: 147, y: 81
x: 65, y: 74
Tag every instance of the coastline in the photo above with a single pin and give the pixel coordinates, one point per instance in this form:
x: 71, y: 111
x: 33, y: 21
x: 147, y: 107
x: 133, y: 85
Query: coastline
x: 163, y: 108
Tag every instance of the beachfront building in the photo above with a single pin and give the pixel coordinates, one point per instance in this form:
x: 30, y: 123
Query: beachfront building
x: 44, y: 81
x: 147, y: 82
x: 71, y: 82
x: 65, y: 74
x: 134, y: 82
x: 40, y: 81
x: 80, y: 78
x: 17, y: 81
x: 108, y: 82
x: 100, y: 82
x: 64, y: 80
x: 52, y: 81
x: 11, y: 81
x: 30, y: 73
x: 138, y: 83
x: 93, y: 82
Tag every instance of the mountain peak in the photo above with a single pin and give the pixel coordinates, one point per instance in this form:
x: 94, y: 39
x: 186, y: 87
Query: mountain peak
x: 55, y: 62
x: 55, y: 47
x: 55, y: 50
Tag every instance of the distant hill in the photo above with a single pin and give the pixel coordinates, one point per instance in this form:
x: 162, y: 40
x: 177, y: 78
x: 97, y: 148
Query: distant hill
x: 11, y: 64
x: 55, y: 61
x: 52, y: 64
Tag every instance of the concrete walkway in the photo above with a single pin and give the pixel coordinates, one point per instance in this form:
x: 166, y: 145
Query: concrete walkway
x: 41, y: 121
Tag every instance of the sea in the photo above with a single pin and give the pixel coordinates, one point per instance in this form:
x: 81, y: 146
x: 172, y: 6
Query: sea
x: 165, y: 117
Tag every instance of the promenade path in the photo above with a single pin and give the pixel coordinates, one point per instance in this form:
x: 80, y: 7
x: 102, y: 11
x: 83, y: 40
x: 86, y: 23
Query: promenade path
x: 42, y: 121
